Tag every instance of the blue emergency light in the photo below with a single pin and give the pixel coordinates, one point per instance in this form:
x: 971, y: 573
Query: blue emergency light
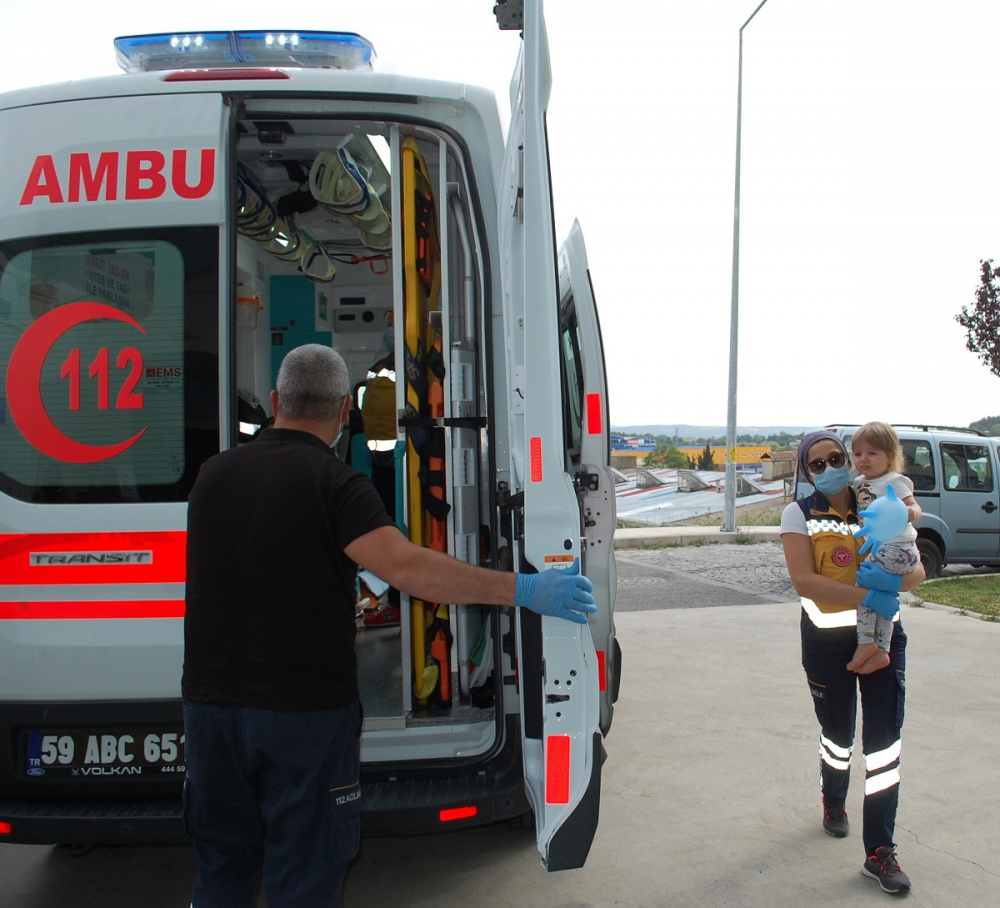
x: 210, y: 50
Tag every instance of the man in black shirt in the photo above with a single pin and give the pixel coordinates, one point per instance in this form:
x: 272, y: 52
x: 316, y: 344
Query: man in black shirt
x: 276, y: 530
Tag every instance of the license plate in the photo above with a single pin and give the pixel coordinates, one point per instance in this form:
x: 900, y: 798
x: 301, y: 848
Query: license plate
x: 105, y: 754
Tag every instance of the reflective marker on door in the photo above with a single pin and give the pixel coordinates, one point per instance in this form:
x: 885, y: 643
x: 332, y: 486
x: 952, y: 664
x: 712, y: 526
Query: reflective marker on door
x: 595, y: 418
x: 536, y: 459
x: 557, y: 751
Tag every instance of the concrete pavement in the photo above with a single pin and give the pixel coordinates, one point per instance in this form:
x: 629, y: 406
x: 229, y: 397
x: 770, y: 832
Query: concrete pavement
x: 710, y: 792
x: 709, y: 795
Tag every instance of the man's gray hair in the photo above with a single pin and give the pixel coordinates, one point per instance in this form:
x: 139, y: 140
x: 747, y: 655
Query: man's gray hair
x: 312, y: 383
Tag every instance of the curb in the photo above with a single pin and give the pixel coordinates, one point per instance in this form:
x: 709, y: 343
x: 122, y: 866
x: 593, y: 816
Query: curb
x: 661, y: 537
x: 915, y: 601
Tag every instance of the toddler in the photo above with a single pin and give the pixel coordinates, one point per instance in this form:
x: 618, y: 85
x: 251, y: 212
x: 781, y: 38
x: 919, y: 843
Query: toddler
x: 879, y: 462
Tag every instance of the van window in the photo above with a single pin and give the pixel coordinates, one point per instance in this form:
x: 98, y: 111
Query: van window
x: 967, y: 468
x: 918, y: 459
x: 109, y: 345
x: 571, y: 363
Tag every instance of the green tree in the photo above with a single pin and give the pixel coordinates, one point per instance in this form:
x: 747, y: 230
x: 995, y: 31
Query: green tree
x: 705, y: 459
x: 667, y: 455
x: 982, y: 322
x: 988, y: 424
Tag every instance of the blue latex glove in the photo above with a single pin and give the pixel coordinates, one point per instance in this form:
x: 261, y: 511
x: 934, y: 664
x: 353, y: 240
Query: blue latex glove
x: 885, y: 518
x: 874, y: 577
x: 884, y: 604
x: 562, y: 594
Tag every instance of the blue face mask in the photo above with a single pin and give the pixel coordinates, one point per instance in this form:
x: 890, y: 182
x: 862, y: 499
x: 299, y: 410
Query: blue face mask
x: 831, y: 481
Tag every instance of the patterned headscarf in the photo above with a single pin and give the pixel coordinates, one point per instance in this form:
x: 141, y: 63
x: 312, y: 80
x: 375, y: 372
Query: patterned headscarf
x: 807, y: 442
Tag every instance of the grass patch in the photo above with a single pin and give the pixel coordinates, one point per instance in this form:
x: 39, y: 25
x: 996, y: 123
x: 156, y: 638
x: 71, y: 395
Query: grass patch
x: 980, y: 595
x: 762, y: 514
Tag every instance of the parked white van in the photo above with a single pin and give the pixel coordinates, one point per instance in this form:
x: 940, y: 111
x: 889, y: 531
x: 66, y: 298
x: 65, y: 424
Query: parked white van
x: 166, y: 236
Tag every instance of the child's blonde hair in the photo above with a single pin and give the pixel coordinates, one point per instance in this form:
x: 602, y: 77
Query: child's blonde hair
x: 882, y: 437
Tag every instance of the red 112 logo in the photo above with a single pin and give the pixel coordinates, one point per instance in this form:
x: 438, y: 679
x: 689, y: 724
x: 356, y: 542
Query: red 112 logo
x: 24, y: 380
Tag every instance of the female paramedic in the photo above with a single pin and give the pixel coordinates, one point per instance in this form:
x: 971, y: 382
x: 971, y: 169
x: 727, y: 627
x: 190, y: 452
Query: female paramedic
x: 817, y: 534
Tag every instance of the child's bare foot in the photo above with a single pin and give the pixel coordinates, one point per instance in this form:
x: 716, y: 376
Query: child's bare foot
x: 862, y: 654
x: 874, y: 663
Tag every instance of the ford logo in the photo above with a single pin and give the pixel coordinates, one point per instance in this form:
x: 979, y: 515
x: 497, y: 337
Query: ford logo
x: 36, y: 772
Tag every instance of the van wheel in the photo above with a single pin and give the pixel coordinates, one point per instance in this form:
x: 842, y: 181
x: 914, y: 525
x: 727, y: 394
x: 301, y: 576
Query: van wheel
x: 930, y: 558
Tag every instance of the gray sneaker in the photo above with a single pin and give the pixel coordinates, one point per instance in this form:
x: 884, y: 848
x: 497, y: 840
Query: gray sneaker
x: 883, y: 866
x: 835, y: 820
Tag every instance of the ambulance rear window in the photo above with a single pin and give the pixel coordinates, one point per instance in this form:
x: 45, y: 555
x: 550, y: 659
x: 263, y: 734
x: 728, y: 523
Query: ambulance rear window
x: 109, y: 356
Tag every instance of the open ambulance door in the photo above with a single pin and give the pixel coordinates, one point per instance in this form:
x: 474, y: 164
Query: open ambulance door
x: 557, y: 663
x: 588, y: 453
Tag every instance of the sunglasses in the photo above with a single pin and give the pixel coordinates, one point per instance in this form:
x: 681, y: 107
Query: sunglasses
x: 834, y: 460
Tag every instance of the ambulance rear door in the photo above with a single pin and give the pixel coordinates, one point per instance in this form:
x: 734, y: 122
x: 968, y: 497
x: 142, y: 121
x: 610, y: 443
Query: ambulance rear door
x: 588, y: 452
x: 557, y: 664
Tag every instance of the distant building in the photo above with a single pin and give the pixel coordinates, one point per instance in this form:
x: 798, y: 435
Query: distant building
x: 624, y: 461
x: 631, y: 444
x: 778, y: 464
x: 748, y: 457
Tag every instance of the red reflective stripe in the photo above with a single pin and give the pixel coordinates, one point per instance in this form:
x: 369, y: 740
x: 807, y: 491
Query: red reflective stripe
x: 5, y: 828
x: 557, y: 748
x: 223, y: 75
x: 595, y: 419
x: 164, y: 565
x: 536, y: 459
x: 148, y: 608
x: 458, y: 813
x: 602, y: 669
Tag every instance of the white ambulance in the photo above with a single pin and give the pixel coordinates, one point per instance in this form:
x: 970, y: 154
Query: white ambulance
x: 166, y: 236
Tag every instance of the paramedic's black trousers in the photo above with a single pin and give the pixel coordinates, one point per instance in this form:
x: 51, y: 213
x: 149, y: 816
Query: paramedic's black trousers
x: 272, y: 794
x: 825, y: 653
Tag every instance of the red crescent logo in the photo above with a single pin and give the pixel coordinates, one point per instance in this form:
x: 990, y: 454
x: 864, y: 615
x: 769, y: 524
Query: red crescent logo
x: 24, y: 390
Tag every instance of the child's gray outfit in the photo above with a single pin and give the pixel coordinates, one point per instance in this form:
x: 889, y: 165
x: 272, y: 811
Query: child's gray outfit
x: 898, y: 555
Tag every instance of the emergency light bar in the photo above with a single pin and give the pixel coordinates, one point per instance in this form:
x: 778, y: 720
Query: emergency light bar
x: 209, y: 50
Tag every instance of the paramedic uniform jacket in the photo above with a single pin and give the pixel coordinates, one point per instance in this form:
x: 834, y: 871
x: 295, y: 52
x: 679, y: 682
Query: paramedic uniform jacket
x: 835, y: 552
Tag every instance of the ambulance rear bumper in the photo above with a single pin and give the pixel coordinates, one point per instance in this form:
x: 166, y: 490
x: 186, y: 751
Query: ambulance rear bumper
x: 395, y: 801
x: 97, y: 821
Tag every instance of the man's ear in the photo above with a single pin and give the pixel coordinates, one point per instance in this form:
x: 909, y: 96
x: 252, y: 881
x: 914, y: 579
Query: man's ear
x: 345, y: 410
x: 274, y: 403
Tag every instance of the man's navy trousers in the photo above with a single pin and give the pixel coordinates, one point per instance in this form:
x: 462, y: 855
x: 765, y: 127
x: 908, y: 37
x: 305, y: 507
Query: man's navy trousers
x: 275, y: 795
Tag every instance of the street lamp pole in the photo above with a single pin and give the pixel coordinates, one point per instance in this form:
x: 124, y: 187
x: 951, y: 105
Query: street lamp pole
x: 729, y: 514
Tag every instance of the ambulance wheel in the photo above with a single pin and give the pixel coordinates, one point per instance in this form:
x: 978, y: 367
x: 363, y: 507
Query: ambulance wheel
x: 930, y: 557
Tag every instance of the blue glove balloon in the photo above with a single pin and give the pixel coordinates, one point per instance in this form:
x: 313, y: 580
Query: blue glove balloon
x: 884, y: 604
x: 885, y: 518
x: 560, y: 593
x: 874, y: 577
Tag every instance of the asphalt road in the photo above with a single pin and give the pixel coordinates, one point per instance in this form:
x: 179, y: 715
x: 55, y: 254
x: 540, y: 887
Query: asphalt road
x: 709, y: 795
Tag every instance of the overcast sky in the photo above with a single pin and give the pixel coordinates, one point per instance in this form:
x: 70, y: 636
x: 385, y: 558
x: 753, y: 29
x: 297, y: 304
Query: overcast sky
x: 869, y: 170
